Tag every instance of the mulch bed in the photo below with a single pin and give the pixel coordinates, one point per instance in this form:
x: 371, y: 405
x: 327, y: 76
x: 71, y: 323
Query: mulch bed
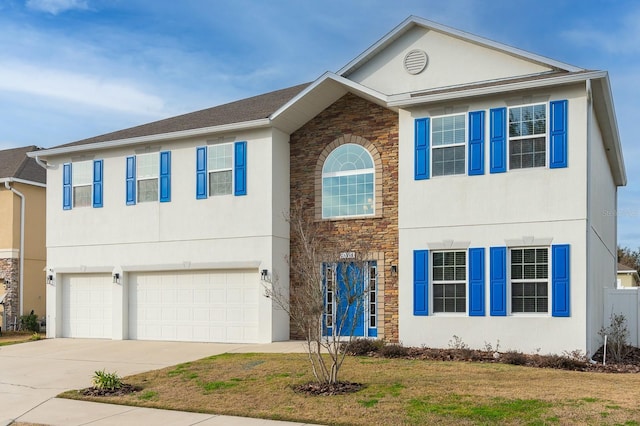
x: 327, y: 389
x: 125, y: 389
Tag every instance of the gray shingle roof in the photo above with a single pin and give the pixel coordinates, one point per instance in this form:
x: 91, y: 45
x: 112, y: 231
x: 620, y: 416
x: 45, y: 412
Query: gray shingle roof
x: 249, y: 109
x: 14, y: 163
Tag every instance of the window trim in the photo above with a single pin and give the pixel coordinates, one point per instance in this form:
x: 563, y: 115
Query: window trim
x: 74, y: 173
x: 545, y: 134
x: 229, y: 169
x: 510, y: 281
x: 372, y: 171
x: 139, y: 179
x: 433, y: 282
x: 464, y: 143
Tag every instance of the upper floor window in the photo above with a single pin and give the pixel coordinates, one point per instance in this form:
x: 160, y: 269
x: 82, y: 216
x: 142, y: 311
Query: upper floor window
x: 147, y: 173
x: 530, y: 280
x: 82, y: 180
x: 448, y: 145
x: 221, y: 169
x: 82, y: 184
x: 348, y: 182
x: 148, y: 177
x: 527, y: 136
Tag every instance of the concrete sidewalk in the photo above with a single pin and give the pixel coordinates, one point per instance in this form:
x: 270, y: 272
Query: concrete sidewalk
x: 66, y: 412
x: 32, y: 374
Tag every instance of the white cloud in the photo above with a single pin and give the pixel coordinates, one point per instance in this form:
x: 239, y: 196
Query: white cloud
x: 90, y: 90
x: 56, y: 6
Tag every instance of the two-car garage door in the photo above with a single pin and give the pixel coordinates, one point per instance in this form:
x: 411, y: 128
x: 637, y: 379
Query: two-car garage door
x: 206, y: 306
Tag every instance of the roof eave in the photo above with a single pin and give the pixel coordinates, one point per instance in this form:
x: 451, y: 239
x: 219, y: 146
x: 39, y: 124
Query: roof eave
x: 23, y: 181
x: 245, y: 125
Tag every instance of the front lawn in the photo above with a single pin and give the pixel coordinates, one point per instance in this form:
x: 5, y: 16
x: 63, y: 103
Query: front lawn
x: 397, y: 392
x: 13, y: 337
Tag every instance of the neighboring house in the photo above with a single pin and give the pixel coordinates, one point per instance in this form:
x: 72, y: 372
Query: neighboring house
x: 22, y: 235
x: 627, y: 276
x: 479, y: 172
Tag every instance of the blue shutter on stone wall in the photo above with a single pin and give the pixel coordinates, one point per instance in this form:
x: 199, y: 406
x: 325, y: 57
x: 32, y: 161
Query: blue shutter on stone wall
x: 240, y: 169
x: 131, y: 180
x: 476, y: 143
x: 498, y: 281
x: 66, y: 186
x: 165, y: 176
x: 421, y: 282
x: 498, y: 140
x: 476, y: 282
x: 97, y: 183
x: 558, y: 134
x: 421, y: 167
x: 560, y: 281
x: 201, y: 172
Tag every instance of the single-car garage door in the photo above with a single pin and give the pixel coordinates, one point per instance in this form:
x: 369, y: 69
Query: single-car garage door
x: 86, y: 305
x: 202, y: 306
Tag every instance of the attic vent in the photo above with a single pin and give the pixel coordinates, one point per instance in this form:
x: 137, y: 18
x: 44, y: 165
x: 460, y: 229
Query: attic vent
x: 416, y: 61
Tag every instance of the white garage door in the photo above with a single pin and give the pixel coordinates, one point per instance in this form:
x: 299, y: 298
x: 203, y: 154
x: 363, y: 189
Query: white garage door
x: 86, y: 305
x: 203, y: 306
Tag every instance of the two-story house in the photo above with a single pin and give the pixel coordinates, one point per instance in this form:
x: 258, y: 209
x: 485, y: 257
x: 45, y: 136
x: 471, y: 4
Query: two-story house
x: 481, y: 174
x: 22, y: 235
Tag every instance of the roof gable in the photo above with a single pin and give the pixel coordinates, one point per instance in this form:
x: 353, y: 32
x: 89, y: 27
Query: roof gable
x: 14, y: 163
x: 453, y: 58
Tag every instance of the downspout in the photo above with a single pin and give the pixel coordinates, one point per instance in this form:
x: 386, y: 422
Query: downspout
x: 40, y: 163
x: 22, y: 203
x: 588, y: 231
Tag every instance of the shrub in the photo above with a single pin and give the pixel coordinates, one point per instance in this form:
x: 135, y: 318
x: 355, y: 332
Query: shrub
x: 108, y: 381
x: 617, y: 338
x: 394, y: 351
x: 30, y: 322
x: 562, y: 362
x: 358, y: 347
x: 514, y: 358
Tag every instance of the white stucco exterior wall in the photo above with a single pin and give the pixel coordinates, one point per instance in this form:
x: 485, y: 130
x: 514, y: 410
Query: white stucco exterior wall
x: 519, y: 208
x: 222, y: 232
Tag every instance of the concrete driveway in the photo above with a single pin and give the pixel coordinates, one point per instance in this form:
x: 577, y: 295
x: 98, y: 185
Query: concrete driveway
x: 32, y: 373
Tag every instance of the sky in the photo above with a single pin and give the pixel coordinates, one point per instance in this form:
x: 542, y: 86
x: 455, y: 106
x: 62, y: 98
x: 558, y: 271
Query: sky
x: 73, y: 69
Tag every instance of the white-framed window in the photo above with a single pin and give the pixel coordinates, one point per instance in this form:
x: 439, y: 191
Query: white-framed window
x: 527, y: 136
x: 329, y: 301
x: 529, y: 280
x: 220, y: 169
x: 373, y: 296
x: 82, y: 183
x: 449, y: 274
x: 147, y: 171
x: 348, y: 177
x: 448, y: 147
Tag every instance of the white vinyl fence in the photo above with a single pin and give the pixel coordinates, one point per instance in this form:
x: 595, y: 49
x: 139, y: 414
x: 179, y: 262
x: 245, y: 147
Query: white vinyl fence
x: 626, y: 302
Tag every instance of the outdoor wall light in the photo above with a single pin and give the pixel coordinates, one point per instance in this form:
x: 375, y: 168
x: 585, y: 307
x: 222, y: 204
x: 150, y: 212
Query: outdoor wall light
x: 264, y: 274
x: 116, y: 278
x: 49, y: 279
x: 394, y: 270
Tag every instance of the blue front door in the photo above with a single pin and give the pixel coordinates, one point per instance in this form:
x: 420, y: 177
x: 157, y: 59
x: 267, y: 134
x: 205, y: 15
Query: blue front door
x: 350, y: 299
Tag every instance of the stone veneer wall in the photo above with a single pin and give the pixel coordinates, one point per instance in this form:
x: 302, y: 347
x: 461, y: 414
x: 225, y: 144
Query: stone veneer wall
x: 354, y: 120
x: 10, y: 268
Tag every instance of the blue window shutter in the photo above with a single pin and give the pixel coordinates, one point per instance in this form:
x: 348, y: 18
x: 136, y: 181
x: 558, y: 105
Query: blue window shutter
x: 97, y: 183
x: 131, y: 180
x: 498, y: 140
x: 498, y: 281
x: 476, y: 282
x: 476, y: 143
x: 165, y: 176
x: 421, y: 282
x: 66, y: 186
x: 201, y: 172
x: 558, y: 134
x: 422, y: 149
x: 560, y: 281
x: 240, y: 169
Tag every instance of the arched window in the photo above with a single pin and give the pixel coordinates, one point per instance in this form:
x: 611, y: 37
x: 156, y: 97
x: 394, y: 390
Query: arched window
x: 348, y: 182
